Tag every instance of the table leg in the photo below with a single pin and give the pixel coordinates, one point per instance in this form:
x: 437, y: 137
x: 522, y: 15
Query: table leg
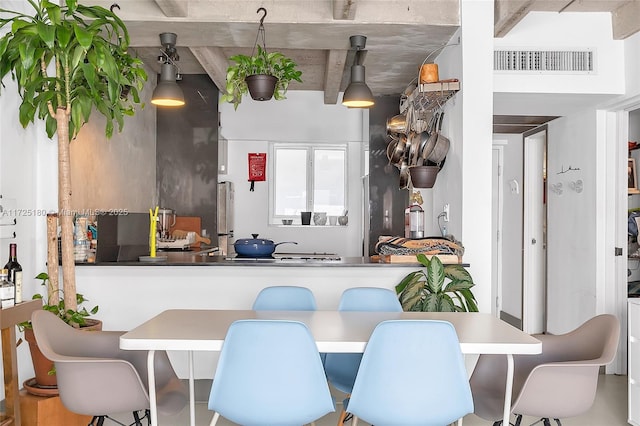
x: 508, y: 391
x: 192, y: 398
x: 153, y: 408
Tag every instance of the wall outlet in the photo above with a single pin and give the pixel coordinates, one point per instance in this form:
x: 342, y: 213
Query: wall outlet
x: 445, y: 212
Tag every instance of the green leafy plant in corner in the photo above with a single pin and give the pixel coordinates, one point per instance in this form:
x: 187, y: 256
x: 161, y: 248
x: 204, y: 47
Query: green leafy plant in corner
x: 55, y: 304
x: 274, y: 63
x: 437, y: 288
x: 69, y: 60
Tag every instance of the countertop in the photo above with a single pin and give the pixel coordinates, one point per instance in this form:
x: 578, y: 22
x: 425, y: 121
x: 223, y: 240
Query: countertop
x: 191, y: 258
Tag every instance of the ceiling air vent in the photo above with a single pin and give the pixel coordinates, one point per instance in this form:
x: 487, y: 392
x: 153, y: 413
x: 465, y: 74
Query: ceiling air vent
x: 571, y: 61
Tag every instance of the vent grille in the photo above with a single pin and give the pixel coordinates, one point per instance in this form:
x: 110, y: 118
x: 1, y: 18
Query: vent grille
x: 543, y: 60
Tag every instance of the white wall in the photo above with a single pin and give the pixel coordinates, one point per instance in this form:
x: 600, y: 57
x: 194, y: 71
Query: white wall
x: 28, y: 182
x: 476, y: 137
x: 302, y: 117
x: 571, y: 31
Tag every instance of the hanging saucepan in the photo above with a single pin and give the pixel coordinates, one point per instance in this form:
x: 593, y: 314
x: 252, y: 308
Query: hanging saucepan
x: 397, y: 124
x: 391, y: 146
x: 413, y: 140
x: 398, y: 151
x: 256, y: 247
x: 404, y: 174
x: 441, y: 146
x: 433, y: 136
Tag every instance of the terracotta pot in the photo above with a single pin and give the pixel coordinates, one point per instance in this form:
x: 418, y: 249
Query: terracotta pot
x: 429, y: 73
x: 261, y: 86
x: 41, y: 364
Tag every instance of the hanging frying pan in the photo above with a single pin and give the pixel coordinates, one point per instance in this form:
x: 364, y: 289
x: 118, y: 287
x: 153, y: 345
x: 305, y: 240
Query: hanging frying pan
x: 433, y: 136
x: 441, y: 146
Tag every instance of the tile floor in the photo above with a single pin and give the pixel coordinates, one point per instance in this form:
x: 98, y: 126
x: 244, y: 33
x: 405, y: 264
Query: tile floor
x: 609, y: 409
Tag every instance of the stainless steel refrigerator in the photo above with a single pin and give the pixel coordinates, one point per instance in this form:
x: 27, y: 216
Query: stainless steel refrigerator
x: 225, y: 218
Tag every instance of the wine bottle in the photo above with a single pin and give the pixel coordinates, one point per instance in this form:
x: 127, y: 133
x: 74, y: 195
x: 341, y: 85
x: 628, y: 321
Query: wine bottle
x: 15, y: 272
x: 7, y: 290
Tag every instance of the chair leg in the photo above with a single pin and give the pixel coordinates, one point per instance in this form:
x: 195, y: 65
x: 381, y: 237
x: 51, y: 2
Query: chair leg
x: 546, y: 422
x: 498, y: 423
x: 342, y: 418
x: 214, y: 420
x: 136, y: 418
x: 518, y: 420
x: 355, y: 420
x: 558, y: 422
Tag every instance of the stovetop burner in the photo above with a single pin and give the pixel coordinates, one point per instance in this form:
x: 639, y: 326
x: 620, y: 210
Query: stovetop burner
x: 289, y: 258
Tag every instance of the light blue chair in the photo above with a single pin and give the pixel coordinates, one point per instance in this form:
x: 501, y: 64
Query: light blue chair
x: 341, y: 369
x: 412, y: 373
x: 269, y: 373
x: 285, y: 298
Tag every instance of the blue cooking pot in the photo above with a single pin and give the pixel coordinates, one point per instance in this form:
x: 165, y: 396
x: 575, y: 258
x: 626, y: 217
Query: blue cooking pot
x: 256, y: 247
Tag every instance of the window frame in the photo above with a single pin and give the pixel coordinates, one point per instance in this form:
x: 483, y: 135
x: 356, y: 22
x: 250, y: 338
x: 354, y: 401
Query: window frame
x: 311, y: 148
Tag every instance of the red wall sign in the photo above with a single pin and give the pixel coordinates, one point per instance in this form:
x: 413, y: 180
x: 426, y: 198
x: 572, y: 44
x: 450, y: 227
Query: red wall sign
x: 257, y: 167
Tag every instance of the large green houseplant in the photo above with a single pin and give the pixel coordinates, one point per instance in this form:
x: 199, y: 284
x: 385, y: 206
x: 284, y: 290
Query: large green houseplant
x: 67, y: 61
x: 437, y: 288
x: 280, y: 68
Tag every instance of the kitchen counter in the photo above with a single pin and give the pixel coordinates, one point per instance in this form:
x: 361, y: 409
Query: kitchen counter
x: 190, y: 258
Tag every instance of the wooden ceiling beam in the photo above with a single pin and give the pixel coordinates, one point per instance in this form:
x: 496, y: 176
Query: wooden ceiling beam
x: 334, y: 69
x: 344, y: 9
x: 507, y: 13
x: 214, y: 62
x: 625, y: 20
x: 174, y: 8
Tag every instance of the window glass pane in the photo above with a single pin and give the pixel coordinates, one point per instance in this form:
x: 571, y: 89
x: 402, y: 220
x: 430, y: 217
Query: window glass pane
x: 290, y: 181
x: 329, y: 181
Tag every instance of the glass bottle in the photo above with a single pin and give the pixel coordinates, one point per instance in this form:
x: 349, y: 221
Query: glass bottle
x: 416, y: 216
x: 7, y: 290
x: 14, y: 272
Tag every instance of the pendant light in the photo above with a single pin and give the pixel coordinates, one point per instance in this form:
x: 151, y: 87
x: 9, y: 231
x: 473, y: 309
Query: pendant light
x: 167, y: 92
x: 358, y: 94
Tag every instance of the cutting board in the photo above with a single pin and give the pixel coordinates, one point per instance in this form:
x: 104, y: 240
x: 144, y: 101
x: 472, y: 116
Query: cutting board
x: 189, y: 224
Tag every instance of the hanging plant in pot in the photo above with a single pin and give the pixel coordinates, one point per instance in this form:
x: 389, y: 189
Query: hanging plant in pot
x: 263, y: 75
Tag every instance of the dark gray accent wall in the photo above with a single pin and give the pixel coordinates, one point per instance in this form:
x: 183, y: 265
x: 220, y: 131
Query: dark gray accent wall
x: 387, y: 201
x: 187, y: 152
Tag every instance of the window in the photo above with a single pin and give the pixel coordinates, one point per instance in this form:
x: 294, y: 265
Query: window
x: 310, y: 177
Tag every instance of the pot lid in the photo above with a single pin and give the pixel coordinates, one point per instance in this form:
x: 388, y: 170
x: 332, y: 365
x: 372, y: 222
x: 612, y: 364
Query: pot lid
x: 254, y: 240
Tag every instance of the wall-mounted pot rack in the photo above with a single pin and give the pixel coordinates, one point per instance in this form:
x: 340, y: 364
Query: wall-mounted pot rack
x: 430, y: 96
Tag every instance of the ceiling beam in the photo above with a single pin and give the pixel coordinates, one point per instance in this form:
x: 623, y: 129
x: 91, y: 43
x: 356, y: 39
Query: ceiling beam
x: 625, y: 20
x: 334, y: 69
x: 344, y: 9
x: 507, y: 13
x: 215, y: 63
x: 174, y: 8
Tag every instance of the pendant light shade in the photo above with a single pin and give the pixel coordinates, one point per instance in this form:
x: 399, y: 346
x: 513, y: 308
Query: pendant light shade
x: 167, y: 92
x: 357, y: 94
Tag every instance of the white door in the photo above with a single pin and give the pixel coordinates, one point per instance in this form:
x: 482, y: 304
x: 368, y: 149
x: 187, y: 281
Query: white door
x: 496, y: 228
x: 534, y: 238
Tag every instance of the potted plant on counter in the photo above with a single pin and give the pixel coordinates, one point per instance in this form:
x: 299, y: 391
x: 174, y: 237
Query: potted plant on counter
x: 45, y: 381
x: 437, y: 288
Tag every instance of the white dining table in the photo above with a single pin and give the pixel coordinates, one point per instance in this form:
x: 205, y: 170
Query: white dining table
x: 334, y: 331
